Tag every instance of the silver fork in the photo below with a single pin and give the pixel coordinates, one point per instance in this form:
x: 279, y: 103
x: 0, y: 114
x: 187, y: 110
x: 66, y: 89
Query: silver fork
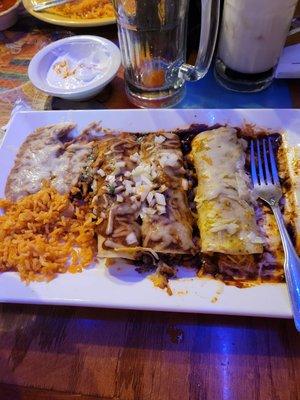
x: 267, y: 186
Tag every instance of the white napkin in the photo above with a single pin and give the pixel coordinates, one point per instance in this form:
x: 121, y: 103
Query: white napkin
x: 289, y: 63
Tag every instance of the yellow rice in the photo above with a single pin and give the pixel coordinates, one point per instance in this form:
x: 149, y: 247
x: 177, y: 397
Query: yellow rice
x: 85, y: 9
x: 44, y: 234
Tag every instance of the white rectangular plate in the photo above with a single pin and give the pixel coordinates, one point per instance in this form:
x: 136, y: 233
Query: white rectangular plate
x: 99, y: 286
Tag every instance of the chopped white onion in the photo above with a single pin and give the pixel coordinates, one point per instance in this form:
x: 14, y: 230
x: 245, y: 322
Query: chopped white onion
x: 131, y: 238
x: 169, y: 159
x: 110, y: 178
x: 159, y: 139
x: 119, y: 198
x: 141, y: 169
x: 144, y: 192
x: 150, y: 197
x: 135, y: 157
x: 127, y: 182
x: 101, y: 172
x: 161, y: 209
x: 160, y: 199
x: 147, y: 211
x: 146, y: 180
x: 94, y: 185
x: 129, y: 189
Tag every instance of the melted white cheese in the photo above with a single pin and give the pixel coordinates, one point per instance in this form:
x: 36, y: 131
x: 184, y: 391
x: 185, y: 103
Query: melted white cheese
x: 225, y: 204
x: 44, y: 157
x: 168, y: 228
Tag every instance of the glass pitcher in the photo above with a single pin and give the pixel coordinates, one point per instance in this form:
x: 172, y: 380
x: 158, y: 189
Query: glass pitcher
x: 152, y: 36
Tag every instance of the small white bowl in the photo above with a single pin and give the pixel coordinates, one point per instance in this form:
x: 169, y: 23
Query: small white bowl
x: 78, y: 48
x: 9, y: 17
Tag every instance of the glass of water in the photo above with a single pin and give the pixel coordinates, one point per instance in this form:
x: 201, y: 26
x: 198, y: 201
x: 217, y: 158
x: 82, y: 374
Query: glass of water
x: 152, y: 36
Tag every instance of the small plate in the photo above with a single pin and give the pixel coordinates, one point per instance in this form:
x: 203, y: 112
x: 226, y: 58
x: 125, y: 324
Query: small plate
x: 78, y: 48
x: 47, y: 16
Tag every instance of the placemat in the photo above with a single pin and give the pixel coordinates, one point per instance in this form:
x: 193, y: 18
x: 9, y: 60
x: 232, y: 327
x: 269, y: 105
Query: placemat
x: 17, y: 47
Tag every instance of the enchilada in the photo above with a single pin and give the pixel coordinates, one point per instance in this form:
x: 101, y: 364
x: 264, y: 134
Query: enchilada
x: 167, y: 222
x: 225, y: 204
x: 116, y: 207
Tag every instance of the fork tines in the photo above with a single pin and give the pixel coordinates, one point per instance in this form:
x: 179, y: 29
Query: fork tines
x: 263, y: 162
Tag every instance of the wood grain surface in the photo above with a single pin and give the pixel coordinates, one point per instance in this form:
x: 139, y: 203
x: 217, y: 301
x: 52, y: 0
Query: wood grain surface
x: 76, y: 353
x: 65, y: 353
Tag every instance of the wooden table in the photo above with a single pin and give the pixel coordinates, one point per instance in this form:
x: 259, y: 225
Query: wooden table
x: 66, y: 353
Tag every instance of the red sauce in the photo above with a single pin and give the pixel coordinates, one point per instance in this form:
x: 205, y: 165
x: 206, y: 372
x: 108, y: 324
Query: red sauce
x: 6, y: 4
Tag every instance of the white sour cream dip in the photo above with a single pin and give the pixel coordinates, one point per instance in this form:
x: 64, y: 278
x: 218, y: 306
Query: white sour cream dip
x: 68, y: 73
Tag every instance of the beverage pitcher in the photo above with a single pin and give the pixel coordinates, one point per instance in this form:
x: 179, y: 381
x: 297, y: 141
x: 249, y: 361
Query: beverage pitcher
x: 152, y: 36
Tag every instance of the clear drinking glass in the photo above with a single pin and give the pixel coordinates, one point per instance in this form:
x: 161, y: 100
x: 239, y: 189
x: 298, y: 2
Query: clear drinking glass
x: 252, y: 36
x: 152, y: 36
